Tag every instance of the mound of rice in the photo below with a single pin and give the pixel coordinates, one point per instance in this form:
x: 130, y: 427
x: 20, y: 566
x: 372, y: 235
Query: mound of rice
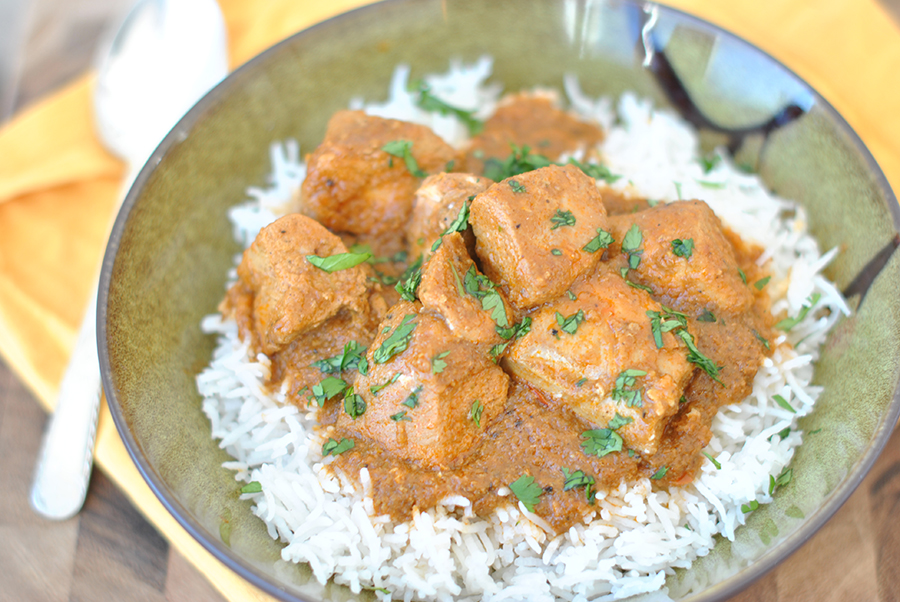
x: 637, y: 535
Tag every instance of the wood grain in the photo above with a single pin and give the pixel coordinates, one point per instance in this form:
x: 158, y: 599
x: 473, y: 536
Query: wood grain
x: 109, y: 552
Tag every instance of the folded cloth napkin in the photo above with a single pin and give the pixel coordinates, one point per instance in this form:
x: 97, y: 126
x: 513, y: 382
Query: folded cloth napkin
x: 59, y: 187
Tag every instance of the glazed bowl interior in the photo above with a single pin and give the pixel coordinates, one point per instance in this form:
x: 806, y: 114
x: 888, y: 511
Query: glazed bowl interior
x: 172, y: 246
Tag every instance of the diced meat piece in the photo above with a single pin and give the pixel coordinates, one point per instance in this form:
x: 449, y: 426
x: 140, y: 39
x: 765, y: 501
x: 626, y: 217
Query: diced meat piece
x: 291, y: 295
x: 577, y: 362
x: 353, y: 185
x: 419, y: 402
x: 446, y: 276
x: 437, y: 204
x: 531, y: 231
x: 534, y: 120
x: 708, y: 277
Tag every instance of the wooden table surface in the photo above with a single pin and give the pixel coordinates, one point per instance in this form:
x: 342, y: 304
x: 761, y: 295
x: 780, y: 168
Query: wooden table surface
x: 110, y: 553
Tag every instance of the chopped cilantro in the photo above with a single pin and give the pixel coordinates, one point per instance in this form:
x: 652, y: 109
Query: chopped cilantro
x: 438, y: 364
x: 475, y: 412
x: 562, y: 218
x: 334, y: 448
x: 520, y: 161
x: 573, y: 480
x: 403, y: 150
x: 571, y: 296
x: 753, y: 505
x: 706, y: 316
x: 354, y: 405
x: 375, y: 389
x: 341, y: 261
x: 410, y: 281
x: 683, y: 248
x: 618, y: 421
x: 570, y: 324
x: 623, y: 390
x: 528, y: 492
x: 252, y: 487
x: 713, y: 460
x: 742, y: 275
x: 412, y: 400
x: 429, y: 102
x: 598, y: 172
x: 660, y: 473
x: 459, y: 287
x: 556, y: 252
x: 601, y: 241
x: 400, y: 416
x: 600, y: 442
x: 481, y: 287
x: 516, y: 186
x: 762, y: 340
x: 759, y: 284
x: 784, y: 403
x: 708, y: 163
x: 789, y: 323
x: 329, y: 387
x: 397, y: 342
x: 352, y: 358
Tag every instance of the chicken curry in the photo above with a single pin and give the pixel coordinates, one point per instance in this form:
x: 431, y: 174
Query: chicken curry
x: 496, y: 322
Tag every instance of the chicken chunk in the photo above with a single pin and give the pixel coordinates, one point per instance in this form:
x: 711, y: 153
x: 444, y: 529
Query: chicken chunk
x: 354, y: 185
x: 533, y: 120
x: 454, y: 288
x: 596, y: 354
x: 707, y: 276
x: 437, y: 204
x: 289, y: 294
x: 531, y: 231
x: 429, y: 396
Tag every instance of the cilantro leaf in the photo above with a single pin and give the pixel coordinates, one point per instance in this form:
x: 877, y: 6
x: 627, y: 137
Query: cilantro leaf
x: 412, y: 400
x: 706, y: 316
x: 481, y: 287
x: 520, y: 161
x: 528, y: 492
x: 376, y: 388
x: 789, y: 323
x: 784, y: 403
x: 623, y: 390
x: 401, y: 416
x: 429, y: 102
x: 403, y: 150
x: 618, y: 422
x: 573, y: 480
x: 753, y: 505
x: 660, y: 473
x: 713, y: 460
x: 334, y: 448
x: 570, y: 324
x: 438, y: 364
x: 601, y: 241
x: 562, y: 218
x: 353, y: 357
x: 598, y: 172
x: 475, y: 412
x: 252, y: 487
x: 683, y: 248
x: 762, y: 282
x: 341, y: 261
x: 397, y: 342
x: 600, y: 442
x: 410, y: 281
x: 329, y: 387
x: 354, y: 405
x: 516, y: 186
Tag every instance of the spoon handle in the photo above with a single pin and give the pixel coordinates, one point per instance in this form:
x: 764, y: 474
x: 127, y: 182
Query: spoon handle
x: 66, y: 456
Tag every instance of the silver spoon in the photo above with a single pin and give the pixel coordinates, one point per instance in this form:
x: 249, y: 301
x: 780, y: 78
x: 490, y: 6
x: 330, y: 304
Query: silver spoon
x: 165, y: 55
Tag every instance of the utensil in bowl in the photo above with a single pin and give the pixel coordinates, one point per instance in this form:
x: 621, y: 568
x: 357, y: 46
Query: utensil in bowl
x: 172, y: 244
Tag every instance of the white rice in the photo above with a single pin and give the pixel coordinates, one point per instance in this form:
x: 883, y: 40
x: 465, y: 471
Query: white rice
x: 637, y: 535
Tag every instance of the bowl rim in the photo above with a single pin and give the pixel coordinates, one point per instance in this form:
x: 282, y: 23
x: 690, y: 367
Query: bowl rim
x: 722, y: 590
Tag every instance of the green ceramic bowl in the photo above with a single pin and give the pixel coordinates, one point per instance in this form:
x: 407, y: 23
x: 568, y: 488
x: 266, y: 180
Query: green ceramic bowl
x: 171, y: 247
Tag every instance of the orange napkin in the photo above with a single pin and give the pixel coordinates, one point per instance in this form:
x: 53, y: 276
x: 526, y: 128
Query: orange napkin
x: 59, y: 188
